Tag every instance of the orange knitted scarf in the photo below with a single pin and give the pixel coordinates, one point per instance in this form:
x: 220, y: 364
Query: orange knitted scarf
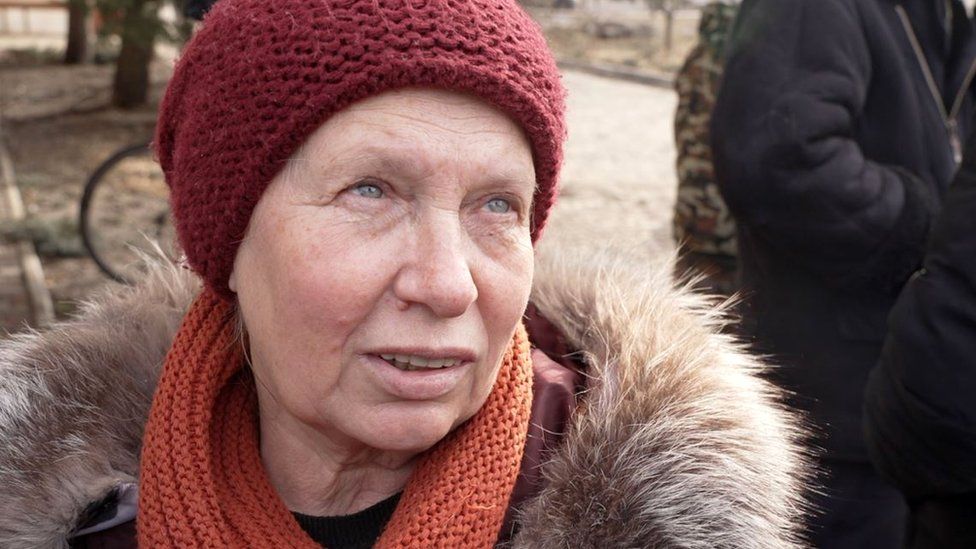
x: 203, y: 484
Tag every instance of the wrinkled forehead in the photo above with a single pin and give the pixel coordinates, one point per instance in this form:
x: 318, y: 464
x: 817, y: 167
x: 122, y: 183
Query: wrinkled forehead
x: 420, y: 133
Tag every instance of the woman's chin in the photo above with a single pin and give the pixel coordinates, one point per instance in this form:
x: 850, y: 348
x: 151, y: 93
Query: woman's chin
x: 409, y: 431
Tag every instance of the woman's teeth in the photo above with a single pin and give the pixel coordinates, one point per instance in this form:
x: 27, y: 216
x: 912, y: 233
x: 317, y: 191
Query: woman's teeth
x: 411, y: 363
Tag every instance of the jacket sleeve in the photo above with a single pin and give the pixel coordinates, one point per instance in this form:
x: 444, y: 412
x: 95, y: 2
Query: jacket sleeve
x: 920, y: 411
x: 792, y: 173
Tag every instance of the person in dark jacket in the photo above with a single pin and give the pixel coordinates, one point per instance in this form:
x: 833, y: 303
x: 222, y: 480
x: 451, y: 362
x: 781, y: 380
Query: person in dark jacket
x: 920, y: 411
x: 835, y: 134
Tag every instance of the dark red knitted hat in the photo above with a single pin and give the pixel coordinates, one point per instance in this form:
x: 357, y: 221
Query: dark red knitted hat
x: 262, y: 75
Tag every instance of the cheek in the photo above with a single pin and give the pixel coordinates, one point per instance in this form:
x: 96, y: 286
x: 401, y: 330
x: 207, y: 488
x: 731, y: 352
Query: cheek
x: 507, y: 282
x: 503, y: 298
x: 308, y: 293
x: 504, y: 293
x: 330, y: 287
x: 330, y: 271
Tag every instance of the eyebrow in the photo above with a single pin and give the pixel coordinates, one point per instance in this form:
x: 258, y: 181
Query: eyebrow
x: 406, y: 161
x: 392, y: 162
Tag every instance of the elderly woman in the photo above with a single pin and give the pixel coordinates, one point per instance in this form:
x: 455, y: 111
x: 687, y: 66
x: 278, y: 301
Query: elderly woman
x: 359, y: 185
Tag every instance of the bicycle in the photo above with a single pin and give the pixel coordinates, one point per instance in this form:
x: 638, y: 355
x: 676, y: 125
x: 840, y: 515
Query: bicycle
x: 130, y: 184
x: 125, y: 212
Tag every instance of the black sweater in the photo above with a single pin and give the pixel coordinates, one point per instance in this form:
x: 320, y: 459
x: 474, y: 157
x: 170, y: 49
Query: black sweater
x: 356, y: 531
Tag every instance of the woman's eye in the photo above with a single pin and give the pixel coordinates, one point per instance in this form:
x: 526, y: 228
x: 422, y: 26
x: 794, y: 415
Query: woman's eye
x: 499, y: 205
x: 368, y: 190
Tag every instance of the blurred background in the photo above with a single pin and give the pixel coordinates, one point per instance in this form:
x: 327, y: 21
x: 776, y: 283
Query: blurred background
x: 80, y: 80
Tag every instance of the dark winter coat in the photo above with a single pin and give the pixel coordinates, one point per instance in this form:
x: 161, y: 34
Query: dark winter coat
x: 679, y: 444
x: 920, y: 411
x: 835, y: 136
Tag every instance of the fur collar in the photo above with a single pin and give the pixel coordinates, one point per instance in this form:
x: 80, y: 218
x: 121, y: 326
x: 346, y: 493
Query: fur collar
x: 679, y: 443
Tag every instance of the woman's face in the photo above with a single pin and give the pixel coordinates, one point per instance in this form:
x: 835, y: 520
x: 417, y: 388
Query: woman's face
x: 385, y: 269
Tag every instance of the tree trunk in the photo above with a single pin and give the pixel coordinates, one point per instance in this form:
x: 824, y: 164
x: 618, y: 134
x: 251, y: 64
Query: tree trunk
x: 131, y: 86
x: 77, y: 50
x: 668, y: 29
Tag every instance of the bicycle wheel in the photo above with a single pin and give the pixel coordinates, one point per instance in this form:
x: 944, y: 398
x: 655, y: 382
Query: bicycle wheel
x: 125, y: 212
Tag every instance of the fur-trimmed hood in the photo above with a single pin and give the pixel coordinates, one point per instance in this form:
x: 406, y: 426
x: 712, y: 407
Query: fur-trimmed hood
x: 679, y: 444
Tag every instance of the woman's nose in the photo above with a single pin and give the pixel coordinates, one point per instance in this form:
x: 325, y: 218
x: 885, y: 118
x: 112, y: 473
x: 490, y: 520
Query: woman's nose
x: 437, y: 273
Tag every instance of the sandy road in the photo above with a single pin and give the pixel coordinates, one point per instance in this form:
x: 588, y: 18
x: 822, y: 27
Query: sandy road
x: 618, y: 178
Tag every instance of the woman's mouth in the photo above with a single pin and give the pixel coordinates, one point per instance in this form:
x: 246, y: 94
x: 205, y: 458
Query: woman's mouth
x: 412, y: 363
x: 416, y: 377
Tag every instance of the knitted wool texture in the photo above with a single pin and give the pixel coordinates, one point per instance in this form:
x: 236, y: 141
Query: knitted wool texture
x: 203, y: 484
x: 261, y: 76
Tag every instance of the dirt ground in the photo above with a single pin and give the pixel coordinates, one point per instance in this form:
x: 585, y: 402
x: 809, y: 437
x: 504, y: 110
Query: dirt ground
x: 622, y: 34
x: 58, y: 128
